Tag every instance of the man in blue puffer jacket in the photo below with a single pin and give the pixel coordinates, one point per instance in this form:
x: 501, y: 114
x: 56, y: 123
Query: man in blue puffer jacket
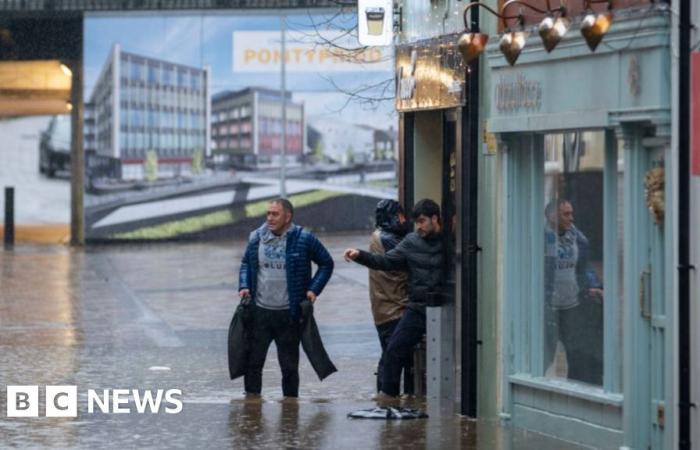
x: 276, y: 273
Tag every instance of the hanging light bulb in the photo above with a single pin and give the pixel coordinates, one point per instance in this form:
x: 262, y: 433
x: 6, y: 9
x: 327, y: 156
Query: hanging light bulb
x: 512, y: 44
x: 552, y: 30
x: 471, y: 45
x: 594, y: 26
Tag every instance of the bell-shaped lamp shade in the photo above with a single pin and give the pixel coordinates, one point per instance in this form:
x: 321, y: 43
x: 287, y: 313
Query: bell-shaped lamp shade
x: 552, y: 30
x: 594, y: 26
x: 512, y: 44
x: 471, y: 45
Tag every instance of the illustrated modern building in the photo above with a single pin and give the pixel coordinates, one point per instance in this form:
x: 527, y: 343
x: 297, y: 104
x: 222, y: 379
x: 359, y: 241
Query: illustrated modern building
x: 144, y: 106
x: 345, y: 143
x: 246, y: 127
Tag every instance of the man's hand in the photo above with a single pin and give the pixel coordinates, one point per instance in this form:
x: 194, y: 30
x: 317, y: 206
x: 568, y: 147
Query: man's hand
x: 244, y: 293
x: 311, y: 296
x: 351, y: 254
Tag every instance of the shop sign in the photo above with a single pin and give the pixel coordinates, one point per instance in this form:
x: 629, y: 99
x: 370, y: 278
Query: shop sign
x: 518, y: 94
x: 429, y: 75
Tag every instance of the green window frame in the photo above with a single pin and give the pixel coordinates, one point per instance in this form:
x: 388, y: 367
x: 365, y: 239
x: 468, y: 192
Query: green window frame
x: 523, y: 293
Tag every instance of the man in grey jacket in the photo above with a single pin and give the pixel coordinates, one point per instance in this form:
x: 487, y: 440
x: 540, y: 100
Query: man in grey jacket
x: 421, y: 255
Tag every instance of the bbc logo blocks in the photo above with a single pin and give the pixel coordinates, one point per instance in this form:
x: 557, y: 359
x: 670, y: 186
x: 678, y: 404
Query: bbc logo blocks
x: 61, y: 401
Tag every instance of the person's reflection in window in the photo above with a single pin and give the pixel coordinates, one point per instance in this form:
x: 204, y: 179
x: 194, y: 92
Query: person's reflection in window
x: 573, y: 296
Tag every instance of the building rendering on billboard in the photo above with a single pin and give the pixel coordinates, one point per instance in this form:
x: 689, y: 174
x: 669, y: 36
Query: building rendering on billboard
x: 146, y: 111
x: 247, y: 127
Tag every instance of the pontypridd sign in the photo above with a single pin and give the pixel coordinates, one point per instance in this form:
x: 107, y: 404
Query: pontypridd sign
x: 260, y: 51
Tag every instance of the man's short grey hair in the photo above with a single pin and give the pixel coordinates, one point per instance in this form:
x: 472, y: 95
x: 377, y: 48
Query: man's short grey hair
x: 285, y: 204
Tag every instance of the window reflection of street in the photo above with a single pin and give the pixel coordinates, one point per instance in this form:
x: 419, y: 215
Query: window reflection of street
x: 573, y: 315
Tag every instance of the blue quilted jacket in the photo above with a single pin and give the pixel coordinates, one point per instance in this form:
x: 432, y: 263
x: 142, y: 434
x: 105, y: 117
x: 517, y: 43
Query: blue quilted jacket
x: 302, y: 249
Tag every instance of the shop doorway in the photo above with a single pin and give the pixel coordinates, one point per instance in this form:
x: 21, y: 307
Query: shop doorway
x: 433, y: 164
x: 645, y: 290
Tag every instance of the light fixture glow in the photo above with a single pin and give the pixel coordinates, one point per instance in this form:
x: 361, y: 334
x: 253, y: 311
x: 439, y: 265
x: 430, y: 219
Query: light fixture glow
x: 69, y: 106
x: 471, y: 45
x: 594, y: 26
x: 512, y: 44
x: 552, y: 30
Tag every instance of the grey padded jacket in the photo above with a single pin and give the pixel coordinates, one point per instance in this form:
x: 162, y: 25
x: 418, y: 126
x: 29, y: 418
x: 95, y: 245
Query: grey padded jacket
x: 422, y: 258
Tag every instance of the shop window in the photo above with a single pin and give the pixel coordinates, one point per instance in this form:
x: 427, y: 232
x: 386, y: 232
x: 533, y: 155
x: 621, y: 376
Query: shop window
x: 563, y: 256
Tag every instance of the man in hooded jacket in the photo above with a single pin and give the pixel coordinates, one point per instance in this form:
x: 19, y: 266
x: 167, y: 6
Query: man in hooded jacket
x: 388, y: 291
x: 276, y: 273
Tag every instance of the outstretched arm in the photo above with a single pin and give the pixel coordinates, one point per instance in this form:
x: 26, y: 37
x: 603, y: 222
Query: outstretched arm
x: 395, y: 259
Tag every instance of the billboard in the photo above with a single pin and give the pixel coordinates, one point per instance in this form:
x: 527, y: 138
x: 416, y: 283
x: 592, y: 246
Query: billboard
x: 184, y: 129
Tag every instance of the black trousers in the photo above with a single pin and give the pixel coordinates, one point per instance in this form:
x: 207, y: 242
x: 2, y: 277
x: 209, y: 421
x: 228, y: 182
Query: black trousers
x: 272, y: 325
x: 399, y: 350
x: 580, y: 330
x: 384, y: 332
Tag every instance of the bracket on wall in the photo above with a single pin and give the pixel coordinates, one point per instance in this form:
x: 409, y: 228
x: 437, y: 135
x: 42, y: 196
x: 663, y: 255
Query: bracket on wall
x: 398, y: 18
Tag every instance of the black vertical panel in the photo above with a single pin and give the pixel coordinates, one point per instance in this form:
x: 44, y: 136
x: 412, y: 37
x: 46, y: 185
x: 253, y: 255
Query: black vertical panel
x: 470, y: 185
x: 684, y: 266
x: 77, y: 144
x: 9, y: 216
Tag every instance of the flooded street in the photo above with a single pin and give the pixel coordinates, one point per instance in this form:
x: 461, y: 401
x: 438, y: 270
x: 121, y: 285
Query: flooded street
x: 156, y: 317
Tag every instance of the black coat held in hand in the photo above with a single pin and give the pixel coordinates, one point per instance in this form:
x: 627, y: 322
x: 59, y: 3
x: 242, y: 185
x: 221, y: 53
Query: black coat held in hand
x: 312, y: 344
x: 239, y: 341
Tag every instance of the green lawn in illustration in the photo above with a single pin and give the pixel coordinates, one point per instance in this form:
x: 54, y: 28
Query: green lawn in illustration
x: 215, y: 219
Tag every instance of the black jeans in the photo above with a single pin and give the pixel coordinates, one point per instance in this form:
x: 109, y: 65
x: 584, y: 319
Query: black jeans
x: 269, y: 325
x: 399, y: 350
x: 384, y: 331
x: 580, y: 330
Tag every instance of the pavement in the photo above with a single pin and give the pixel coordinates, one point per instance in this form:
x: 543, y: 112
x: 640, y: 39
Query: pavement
x: 151, y: 317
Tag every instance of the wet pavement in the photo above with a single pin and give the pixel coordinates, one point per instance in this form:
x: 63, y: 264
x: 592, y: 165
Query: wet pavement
x: 154, y: 317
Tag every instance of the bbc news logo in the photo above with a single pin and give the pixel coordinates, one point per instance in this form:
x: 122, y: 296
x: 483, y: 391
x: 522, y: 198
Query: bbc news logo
x: 62, y: 401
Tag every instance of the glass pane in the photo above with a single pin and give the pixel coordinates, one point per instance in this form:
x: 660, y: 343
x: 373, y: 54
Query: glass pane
x: 573, y: 256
